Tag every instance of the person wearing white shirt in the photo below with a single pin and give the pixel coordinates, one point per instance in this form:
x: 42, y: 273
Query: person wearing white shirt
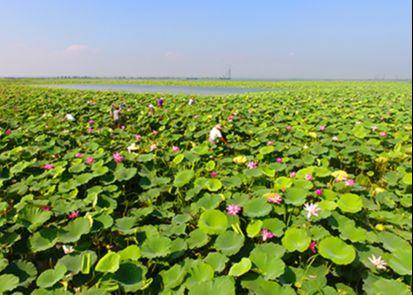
x: 216, y: 134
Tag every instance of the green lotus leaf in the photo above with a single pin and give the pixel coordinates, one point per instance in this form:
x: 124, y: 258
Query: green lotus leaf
x: 213, y: 185
x: 350, y: 203
x: 156, y: 247
x: 183, y: 177
x: 213, y: 222
x: 34, y: 217
x: 74, y: 230
x: 407, y: 179
x: 274, y: 225
x: 200, y: 272
x: 197, y: 239
x: 257, y: 208
x: 400, y: 261
x: 229, y: 243
x: 380, y: 286
x: 220, y: 285
x: 269, y: 265
x: 296, y: 196
x: 50, y: 277
x: 108, y: 263
x: 146, y: 158
x: 173, y: 277
x: 43, y: 239
x: 337, y: 251
x: 24, y: 270
x: 124, y: 174
x: 392, y: 242
x: 282, y: 183
x: 267, y: 150
x: 240, y: 268
x: 296, y: 239
x: 8, y: 283
x: 254, y: 228
x: 360, y: 132
x: 131, y: 276
x: 217, y: 261
x: 131, y: 252
x: 260, y: 286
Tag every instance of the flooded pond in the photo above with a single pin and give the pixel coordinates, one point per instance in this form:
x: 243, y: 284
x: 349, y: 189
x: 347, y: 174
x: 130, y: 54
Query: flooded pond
x: 160, y: 89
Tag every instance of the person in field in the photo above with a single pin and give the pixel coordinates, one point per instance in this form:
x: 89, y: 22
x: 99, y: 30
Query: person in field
x: 216, y: 134
x: 115, y: 112
x: 160, y: 102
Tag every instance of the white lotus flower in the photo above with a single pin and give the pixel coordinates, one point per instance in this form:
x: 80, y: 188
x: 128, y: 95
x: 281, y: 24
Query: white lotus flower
x: 67, y: 249
x: 312, y: 210
x: 378, y: 262
x: 70, y: 117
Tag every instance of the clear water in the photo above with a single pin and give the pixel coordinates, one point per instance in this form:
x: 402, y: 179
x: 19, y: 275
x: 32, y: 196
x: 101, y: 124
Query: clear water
x: 161, y: 89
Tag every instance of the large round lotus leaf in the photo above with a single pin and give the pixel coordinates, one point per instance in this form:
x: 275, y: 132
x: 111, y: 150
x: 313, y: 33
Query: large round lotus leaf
x: 267, y: 150
x: 146, y: 157
x: 322, y: 172
x: 173, y: 277
x: 229, y: 243
x: 43, y: 239
x: 217, y: 261
x: 275, y: 225
x: 259, y: 286
x: 233, y: 181
x: 83, y: 178
x: 350, y: 203
x: 240, y: 268
x: 401, y: 261
x: 344, y: 289
x: 214, y: 185
x: 200, y: 272
x: 201, y: 150
x: 183, y: 177
x: 380, y: 286
x: 130, y: 275
x: 296, y: 196
x: 131, y: 252
x: 407, y: 179
x: 51, y: 276
x: 8, y: 283
x: 123, y: 174
x: 254, y: 228
x: 75, y: 229
x: 33, y: 217
x: 24, y: 270
x: 296, y: 239
x: 268, y: 263
x: 156, y: 247
x: 256, y: 208
x: 360, y: 132
x: 337, y: 251
x: 303, y: 184
x: 108, y: 263
x: 213, y: 222
x: 252, y: 173
x: 197, y: 239
x: 220, y: 285
x: 392, y: 242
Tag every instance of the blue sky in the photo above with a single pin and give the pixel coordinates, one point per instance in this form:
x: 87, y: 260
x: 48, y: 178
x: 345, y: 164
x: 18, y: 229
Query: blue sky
x: 311, y: 39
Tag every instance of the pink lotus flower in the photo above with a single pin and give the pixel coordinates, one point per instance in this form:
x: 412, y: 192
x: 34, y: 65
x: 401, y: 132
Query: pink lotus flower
x: 153, y: 147
x: 45, y: 208
x: 319, y: 192
x: 90, y: 160
x: 78, y: 155
x: 231, y: 118
x: 252, y: 165
x: 309, y: 177
x: 73, y: 215
x: 118, y: 157
x: 322, y: 128
x: 89, y: 130
x: 175, y: 149
x: 270, y: 142
x: 279, y: 160
x: 313, y: 247
x: 293, y: 174
x: 289, y: 128
x: 138, y: 137
x: 214, y: 174
x: 383, y: 134
x: 266, y: 234
x: 154, y: 132
x: 312, y: 210
x: 275, y: 199
x: 91, y: 122
x: 7, y: 132
x: 48, y: 167
x: 350, y: 182
x: 233, y: 209
x: 122, y: 127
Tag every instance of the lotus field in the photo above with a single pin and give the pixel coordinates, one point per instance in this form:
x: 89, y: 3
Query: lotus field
x: 312, y: 194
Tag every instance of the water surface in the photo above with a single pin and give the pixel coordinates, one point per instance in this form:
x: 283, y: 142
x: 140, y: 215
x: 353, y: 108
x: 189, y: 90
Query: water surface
x: 161, y: 89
